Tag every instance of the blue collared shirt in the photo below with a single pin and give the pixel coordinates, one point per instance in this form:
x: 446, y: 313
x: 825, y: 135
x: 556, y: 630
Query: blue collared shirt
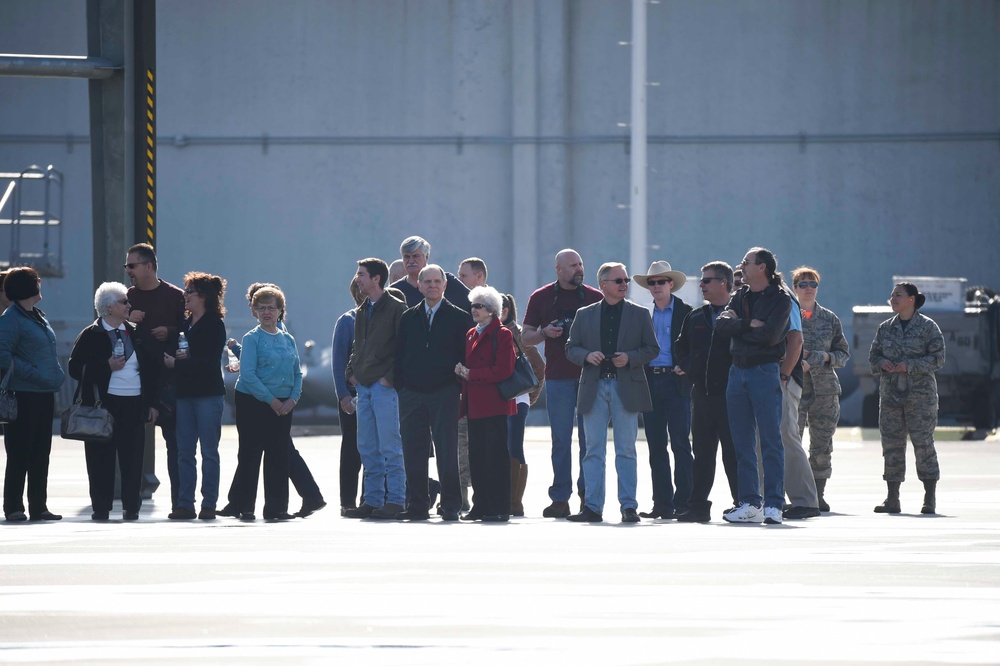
x: 662, y: 324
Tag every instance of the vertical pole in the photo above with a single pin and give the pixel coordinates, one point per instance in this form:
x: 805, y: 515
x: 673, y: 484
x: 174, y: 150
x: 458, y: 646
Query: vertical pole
x: 144, y: 120
x: 638, y: 241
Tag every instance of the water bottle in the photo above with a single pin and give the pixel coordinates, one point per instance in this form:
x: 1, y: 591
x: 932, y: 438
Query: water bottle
x: 234, y: 362
x: 119, y: 350
x: 182, y: 344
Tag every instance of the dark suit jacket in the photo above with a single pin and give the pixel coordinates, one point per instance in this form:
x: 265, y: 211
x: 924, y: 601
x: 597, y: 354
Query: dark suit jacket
x: 635, y: 337
x: 702, y: 355
x: 426, y: 357
x: 92, y: 350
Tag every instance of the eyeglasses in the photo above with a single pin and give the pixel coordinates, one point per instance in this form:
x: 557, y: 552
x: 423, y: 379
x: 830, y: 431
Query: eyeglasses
x: 709, y: 280
x: 267, y: 308
x: 621, y: 280
x: 124, y: 301
x: 478, y: 306
x: 807, y: 284
x: 657, y: 283
x: 190, y: 291
x: 748, y: 263
x: 132, y: 266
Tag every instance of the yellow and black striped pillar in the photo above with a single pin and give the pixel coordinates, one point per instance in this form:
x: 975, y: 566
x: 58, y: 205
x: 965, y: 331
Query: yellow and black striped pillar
x: 144, y: 72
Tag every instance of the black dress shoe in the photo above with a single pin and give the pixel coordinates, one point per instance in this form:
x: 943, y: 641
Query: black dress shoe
x: 45, y: 515
x: 247, y: 517
x: 630, y: 516
x: 493, y: 518
x: 309, y: 508
x: 279, y: 517
x: 800, y: 512
x: 473, y: 515
x: 588, y: 515
x: 100, y: 516
x: 182, y: 514
x: 363, y: 511
x: 130, y: 515
x: 695, y: 516
x: 228, y: 511
x: 206, y: 514
x: 413, y: 515
x: 449, y: 516
x: 16, y: 517
x: 556, y: 510
x: 388, y: 511
x: 657, y: 514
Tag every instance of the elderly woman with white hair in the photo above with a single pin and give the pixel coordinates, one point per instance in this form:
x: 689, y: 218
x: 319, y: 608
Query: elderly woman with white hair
x: 108, y: 356
x: 489, y: 359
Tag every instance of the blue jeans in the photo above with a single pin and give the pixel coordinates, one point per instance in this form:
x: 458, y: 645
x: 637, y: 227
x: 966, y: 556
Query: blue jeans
x: 608, y: 405
x: 198, y: 419
x: 754, y: 401
x: 671, y: 414
x: 515, y: 432
x: 560, y: 403
x: 380, y: 446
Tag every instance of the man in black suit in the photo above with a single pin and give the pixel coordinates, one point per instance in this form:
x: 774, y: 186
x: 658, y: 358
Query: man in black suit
x: 705, y: 359
x: 430, y: 342
x: 671, y: 396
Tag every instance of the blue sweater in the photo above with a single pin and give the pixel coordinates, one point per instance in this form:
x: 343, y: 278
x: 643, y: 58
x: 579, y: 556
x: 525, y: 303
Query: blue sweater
x: 343, y: 340
x: 269, y: 366
x: 28, y: 339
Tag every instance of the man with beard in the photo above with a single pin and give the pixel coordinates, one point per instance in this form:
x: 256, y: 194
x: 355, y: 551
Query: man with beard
x: 549, y: 314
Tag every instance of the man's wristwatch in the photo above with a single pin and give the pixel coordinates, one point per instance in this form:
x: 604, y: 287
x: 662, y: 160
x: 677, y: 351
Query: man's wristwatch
x: 784, y: 378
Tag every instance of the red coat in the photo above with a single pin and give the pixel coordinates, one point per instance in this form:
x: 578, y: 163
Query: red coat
x: 480, y: 397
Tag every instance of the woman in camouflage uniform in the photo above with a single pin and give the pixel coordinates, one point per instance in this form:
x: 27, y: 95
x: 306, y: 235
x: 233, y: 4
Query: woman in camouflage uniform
x: 824, y: 348
x: 908, y: 349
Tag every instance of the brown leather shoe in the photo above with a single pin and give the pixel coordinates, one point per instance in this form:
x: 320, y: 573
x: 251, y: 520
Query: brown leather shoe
x: 556, y: 510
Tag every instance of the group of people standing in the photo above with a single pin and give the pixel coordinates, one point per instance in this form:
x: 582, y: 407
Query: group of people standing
x: 417, y: 364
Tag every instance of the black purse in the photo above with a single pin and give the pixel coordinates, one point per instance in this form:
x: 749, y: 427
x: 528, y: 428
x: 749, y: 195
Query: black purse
x: 522, y: 380
x: 90, y: 424
x: 8, y: 401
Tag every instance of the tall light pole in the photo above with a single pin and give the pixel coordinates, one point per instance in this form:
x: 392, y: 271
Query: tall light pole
x: 637, y: 190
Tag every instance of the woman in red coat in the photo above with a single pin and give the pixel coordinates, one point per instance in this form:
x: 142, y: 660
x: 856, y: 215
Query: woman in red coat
x: 489, y: 358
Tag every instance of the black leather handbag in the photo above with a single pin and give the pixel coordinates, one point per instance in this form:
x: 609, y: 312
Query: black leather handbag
x: 522, y: 381
x: 90, y: 424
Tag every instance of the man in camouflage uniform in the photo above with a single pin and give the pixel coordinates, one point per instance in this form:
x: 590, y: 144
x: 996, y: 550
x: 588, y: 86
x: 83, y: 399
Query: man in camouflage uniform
x: 824, y: 348
x: 905, y: 354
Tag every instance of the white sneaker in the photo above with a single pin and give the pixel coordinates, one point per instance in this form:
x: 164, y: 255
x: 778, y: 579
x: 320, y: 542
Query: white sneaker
x: 745, y: 513
x: 772, y: 515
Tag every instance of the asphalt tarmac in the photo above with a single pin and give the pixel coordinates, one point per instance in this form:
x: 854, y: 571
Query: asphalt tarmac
x: 849, y: 587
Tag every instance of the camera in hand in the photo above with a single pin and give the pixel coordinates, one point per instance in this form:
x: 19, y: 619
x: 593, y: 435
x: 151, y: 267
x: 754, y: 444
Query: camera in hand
x: 564, y: 323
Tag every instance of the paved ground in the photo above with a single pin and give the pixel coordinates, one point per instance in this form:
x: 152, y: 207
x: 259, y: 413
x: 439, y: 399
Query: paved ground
x: 849, y: 587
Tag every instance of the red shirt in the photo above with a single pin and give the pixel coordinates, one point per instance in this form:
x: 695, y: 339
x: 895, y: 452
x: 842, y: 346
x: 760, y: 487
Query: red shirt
x: 548, y: 304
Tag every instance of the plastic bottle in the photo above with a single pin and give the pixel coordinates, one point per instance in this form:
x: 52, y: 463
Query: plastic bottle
x: 182, y: 343
x: 119, y: 350
x: 234, y: 362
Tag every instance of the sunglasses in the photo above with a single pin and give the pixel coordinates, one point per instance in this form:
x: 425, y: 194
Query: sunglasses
x: 478, y: 306
x: 132, y: 266
x: 190, y: 291
x: 659, y: 283
x: 620, y: 280
x: 124, y: 301
x: 810, y: 284
x: 709, y: 280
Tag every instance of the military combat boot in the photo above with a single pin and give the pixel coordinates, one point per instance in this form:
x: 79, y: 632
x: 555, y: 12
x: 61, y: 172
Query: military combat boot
x: 891, y: 503
x: 930, y: 501
x: 820, y: 487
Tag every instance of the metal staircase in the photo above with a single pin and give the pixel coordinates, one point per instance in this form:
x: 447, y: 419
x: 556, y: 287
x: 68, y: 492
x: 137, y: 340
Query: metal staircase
x: 33, y: 199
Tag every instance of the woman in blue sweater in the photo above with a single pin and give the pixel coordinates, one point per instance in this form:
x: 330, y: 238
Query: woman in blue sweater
x: 201, y: 393
x: 28, y: 351
x: 269, y: 386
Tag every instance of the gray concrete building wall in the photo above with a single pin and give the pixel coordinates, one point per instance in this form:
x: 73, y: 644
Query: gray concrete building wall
x: 827, y: 131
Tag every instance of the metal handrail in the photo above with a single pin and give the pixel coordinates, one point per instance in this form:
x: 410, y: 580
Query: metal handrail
x: 49, y: 261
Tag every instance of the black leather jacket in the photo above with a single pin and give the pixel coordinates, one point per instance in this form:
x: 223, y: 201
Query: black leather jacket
x: 703, y: 356
x: 765, y: 344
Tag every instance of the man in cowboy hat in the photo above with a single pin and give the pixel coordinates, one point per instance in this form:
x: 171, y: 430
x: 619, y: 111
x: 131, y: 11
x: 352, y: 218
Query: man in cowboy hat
x: 671, y: 395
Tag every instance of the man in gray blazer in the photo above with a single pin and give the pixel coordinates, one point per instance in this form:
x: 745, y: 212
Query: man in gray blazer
x: 612, y: 340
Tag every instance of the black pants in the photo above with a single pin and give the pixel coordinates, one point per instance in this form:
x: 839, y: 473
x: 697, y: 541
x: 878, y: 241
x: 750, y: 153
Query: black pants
x: 350, y: 459
x: 489, y: 465
x: 709, y: 427
x: 28, y: 442
x: 261, y: 431
x: 420, y: 416
x: 128, y: 442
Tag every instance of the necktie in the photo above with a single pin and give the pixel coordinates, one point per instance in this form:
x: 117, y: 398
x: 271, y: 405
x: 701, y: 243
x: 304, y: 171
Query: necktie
x: 430, y: 317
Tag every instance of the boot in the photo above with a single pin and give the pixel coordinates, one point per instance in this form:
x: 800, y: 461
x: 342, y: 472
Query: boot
x: 891, y: 503
x: 516, y: 507
x: 820, y: 488
x: 930, y: 501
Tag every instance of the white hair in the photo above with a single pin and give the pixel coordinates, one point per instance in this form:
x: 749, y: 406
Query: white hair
x: 106, y: 295
x: 489, y: 297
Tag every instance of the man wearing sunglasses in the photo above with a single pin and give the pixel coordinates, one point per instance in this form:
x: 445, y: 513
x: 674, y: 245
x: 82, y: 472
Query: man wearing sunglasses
x: 612, y: 341
x: 671, y: 396
x: 157, y: 310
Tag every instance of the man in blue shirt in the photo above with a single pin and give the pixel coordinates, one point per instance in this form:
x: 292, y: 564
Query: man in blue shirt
x: 671, y: 395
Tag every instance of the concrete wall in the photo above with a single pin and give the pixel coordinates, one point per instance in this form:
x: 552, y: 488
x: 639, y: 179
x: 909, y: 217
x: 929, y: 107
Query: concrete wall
x: 731, y: 75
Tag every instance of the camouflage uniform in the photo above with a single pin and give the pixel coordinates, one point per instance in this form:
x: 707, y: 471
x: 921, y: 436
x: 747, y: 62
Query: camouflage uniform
x: 820, y: 404
x: 908, y: 402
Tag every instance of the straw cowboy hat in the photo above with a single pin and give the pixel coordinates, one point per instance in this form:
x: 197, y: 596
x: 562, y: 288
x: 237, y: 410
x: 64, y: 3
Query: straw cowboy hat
x: 661, y: 269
